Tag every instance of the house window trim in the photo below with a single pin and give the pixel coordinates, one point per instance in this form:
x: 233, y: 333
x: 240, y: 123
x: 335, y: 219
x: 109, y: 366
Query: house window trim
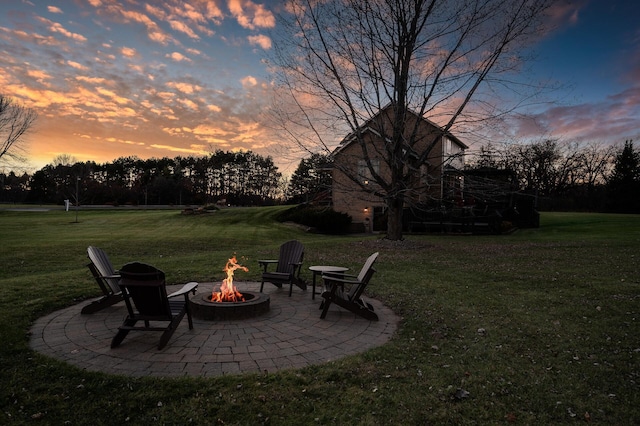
x: 364, y: 173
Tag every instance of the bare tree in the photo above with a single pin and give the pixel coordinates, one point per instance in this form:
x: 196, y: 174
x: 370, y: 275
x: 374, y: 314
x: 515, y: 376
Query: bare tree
x: 339, y: 62
x: 597, y: 163
x: 15, y: 121
x: 64, y: 160
x: 550, y: 167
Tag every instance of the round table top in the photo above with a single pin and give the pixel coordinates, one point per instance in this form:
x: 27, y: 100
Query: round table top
x: 327, y: 268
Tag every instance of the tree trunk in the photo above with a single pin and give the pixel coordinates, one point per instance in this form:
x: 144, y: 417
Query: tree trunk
x: 394, y: 218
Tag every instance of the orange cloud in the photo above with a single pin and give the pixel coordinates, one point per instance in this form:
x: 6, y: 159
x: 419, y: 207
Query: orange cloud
x: 128, y: 52
x: 260, y: 40
x: 184, y: 87
x: 77, y: 66
x: 188, y: 103
x: 154, y: 32
x: 249, y: 81
x: 56, y: 27
x: 155, y: 11
x: 112, y: 95
x: 197, y: 150
x: 92, y: 80
x: 251, y: 15
x: 183, y: 28
x: 38, y: 74
x: 178, y: 57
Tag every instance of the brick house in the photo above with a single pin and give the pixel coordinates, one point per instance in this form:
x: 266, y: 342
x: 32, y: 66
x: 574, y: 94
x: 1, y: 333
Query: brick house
x: 354, y: 190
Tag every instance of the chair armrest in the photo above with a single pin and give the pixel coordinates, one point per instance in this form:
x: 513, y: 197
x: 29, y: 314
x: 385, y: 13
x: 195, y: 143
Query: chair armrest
x: 341, y: 275
x: 95, y: 270
x: 192, y: 286
x: 110, y: 276
x: 266, y: 262
x: 340, y: 280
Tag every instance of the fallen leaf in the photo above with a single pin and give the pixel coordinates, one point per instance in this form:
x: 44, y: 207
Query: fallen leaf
x: 461, y: 394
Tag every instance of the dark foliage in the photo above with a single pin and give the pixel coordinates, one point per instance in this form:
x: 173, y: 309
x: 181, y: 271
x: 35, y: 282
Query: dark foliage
x: 242, y: 178
x: 310, y: 180
x: 560, y: 176
x: 321, y: 219
x: 624, y: 184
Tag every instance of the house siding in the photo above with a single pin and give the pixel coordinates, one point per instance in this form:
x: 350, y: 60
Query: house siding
x: 349, y: 197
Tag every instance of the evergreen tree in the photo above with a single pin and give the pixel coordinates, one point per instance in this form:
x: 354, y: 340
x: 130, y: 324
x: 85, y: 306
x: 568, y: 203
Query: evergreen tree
x: 311, y: 178
x: 624, y: 184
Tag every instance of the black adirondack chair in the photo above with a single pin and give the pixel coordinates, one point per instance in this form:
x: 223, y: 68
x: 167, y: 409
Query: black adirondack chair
x: 145, y: 295
x: 106, y: 277
x: 288, y: 266
x: 334, y: 291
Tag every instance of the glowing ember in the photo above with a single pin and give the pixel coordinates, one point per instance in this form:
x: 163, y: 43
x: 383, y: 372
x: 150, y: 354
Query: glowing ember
x: 228, y: 292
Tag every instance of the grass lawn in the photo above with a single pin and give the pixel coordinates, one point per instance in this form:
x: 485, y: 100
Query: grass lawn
x: 538, y: 327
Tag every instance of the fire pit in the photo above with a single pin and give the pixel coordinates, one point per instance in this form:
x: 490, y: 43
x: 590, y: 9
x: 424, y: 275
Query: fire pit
x: 229, y: 303
x: 254, y: 304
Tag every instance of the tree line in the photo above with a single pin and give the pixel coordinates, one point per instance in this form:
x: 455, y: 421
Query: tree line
x: 238, y: 178
x: 568, y: 175
x: 562, y: 176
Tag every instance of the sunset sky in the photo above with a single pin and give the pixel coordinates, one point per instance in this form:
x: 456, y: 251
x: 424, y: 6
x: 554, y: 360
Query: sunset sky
x: 166, y: 78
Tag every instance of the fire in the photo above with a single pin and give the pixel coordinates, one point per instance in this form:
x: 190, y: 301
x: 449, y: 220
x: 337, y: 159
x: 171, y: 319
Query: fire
x: 228, y: 292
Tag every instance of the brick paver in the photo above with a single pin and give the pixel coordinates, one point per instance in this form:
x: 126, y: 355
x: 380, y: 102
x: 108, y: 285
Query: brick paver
x: 290, y: 335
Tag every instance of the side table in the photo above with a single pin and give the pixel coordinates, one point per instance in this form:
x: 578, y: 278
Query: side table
x: 321, y: 269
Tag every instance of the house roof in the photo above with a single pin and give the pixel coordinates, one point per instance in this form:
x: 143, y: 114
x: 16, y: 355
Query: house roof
x: 366, y: 127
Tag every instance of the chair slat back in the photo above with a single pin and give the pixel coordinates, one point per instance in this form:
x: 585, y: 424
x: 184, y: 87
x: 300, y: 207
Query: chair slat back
x: 364, y: 276
x: 104, y: 267
x: 290, y: 252
x: 145, y: 286
x: 367, y: 266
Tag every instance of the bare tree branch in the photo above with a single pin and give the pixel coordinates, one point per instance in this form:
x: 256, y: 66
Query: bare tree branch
x: 340, y: 62
x: 15, y: 121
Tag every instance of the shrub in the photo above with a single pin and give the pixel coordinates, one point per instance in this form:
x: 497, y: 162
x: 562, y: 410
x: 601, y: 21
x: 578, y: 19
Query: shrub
x: 320, y: 219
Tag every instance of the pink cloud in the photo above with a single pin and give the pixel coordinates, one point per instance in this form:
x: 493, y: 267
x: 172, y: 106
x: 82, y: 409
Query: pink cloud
x: 115, y: 9
x: 178, y: 57
x: 183, y: 28
x: 564, y: 13
x: 56, y: 27
x: 128, y: 52
x: 249, y: 81
x: 613, y: 119
x: 251, y: 15
x: 260, y: 40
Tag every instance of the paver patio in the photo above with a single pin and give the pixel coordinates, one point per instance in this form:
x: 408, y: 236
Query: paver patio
x: 290, y: 335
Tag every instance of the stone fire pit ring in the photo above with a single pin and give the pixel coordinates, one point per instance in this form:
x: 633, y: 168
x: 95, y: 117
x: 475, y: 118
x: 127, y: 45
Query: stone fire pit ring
x: 255, y: 304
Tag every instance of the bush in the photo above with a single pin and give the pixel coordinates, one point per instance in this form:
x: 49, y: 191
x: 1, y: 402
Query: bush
x: 321, y: 219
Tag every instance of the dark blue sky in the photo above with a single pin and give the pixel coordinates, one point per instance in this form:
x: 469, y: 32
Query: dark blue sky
x: 594, y: 58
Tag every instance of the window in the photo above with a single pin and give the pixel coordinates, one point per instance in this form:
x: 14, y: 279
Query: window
x: 364, y: 173
x: 453, y: 154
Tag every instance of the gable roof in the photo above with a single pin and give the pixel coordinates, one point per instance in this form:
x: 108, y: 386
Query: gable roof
x: 366, y: 127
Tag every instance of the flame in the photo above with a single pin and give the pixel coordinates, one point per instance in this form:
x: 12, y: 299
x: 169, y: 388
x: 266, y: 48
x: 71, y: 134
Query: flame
x: 228, y: 292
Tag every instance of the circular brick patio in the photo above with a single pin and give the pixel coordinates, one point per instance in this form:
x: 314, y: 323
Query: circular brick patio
x: 290, y: 335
